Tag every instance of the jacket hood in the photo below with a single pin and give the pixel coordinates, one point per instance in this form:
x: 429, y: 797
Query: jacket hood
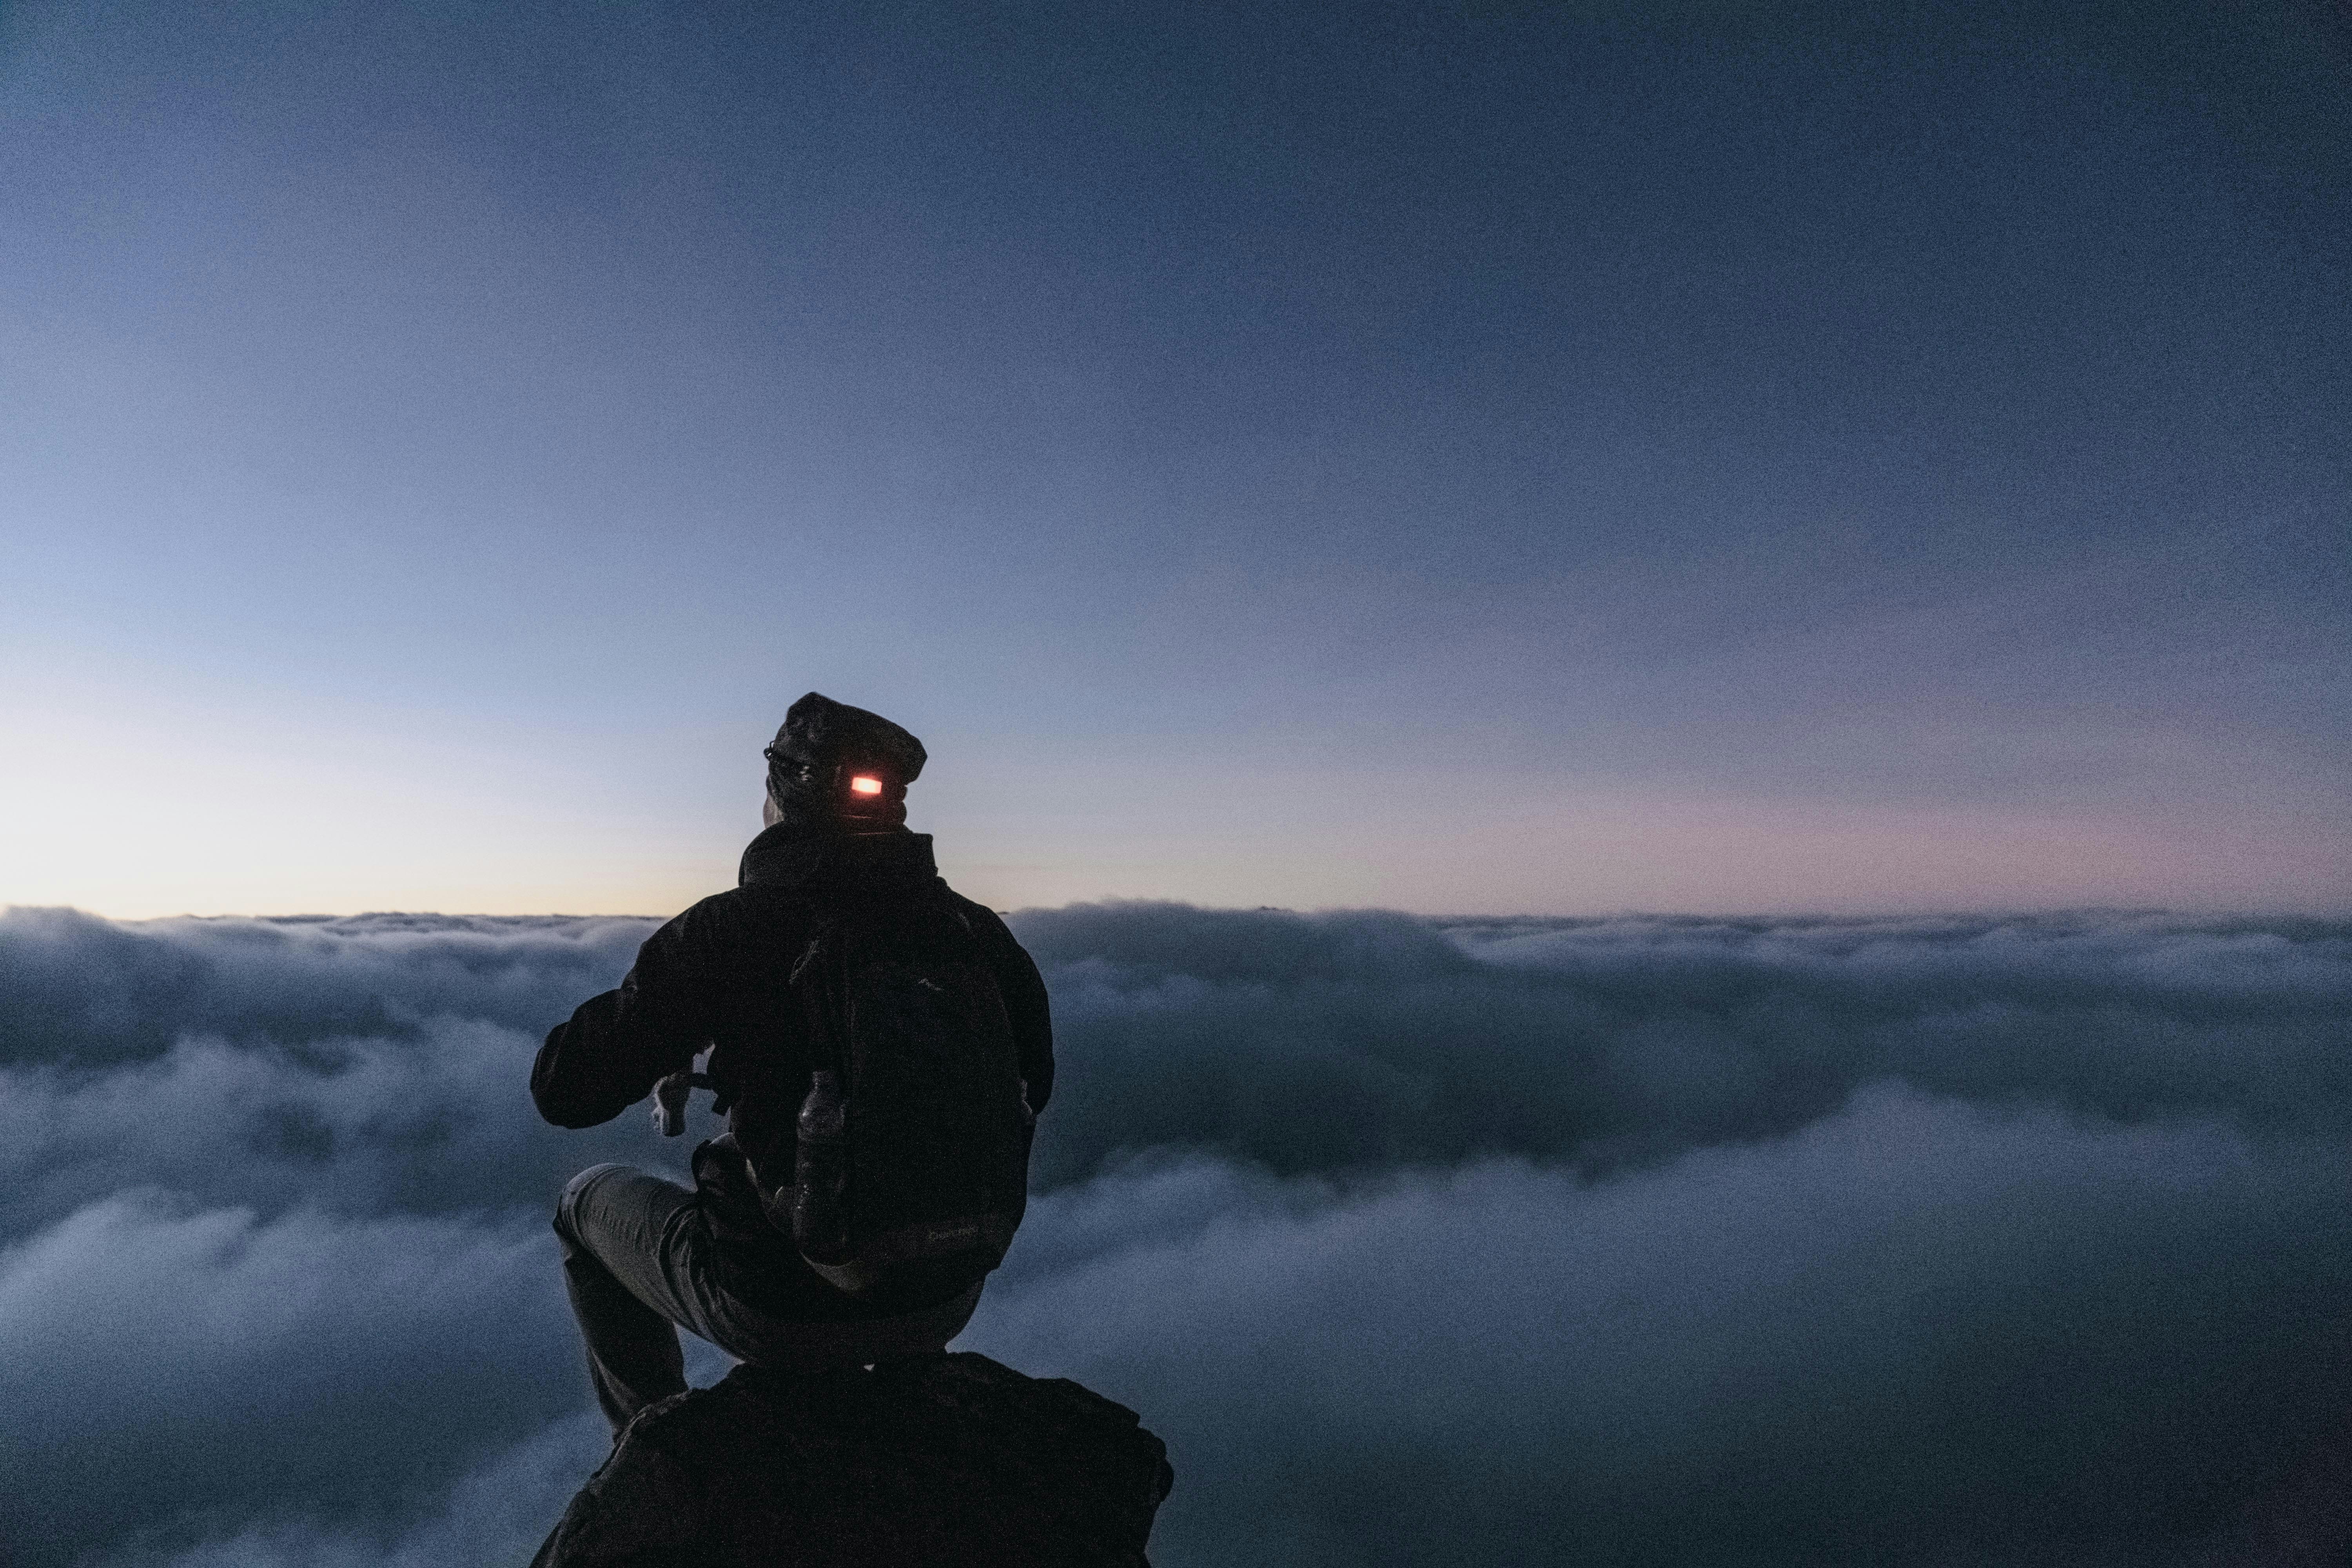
x: 800, y: 855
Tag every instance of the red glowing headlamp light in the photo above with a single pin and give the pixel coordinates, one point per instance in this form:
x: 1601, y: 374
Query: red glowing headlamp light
x: 865, y: 784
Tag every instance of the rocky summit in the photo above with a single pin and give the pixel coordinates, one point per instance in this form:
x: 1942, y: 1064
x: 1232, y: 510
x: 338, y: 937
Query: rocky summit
x: 928, y: 1462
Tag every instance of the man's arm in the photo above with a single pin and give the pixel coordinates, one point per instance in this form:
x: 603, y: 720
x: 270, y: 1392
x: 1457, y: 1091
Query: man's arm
x: 616, y: 1047
x: 1025, y: 1003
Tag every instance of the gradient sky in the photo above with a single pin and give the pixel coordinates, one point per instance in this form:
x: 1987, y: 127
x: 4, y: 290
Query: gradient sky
x: 1461, y: 457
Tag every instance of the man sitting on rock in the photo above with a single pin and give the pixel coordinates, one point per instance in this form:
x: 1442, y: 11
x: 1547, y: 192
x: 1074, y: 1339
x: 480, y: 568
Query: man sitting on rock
x: 841, y: 966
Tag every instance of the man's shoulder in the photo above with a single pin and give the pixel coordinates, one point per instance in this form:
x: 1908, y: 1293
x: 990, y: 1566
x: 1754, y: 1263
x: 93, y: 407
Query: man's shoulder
x: 736, y: 915
x: 707, y: 916
x: 979, y: 916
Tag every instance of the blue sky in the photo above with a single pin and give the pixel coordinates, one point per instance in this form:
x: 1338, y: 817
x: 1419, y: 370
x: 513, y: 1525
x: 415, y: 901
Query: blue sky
x: 1459, y: 458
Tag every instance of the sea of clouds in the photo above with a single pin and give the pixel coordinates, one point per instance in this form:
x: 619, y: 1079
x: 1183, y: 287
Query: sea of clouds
x: 1646, y: 1241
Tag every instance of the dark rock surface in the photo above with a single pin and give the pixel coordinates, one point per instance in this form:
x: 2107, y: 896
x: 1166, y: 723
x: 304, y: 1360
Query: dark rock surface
x: 923, y: 1463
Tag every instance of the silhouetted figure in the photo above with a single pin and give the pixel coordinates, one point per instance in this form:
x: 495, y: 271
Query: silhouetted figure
x: 880, y: 1045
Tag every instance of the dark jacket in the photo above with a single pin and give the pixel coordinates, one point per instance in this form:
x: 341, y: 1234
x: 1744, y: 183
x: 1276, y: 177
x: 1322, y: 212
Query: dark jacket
x: 716, y: 976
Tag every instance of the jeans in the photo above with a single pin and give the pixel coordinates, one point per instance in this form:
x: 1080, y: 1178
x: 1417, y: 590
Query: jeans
x: 637, y: 1259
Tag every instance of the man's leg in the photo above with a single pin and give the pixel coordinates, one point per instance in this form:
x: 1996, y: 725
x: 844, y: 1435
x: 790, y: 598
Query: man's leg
x: 618, y: 1226
x: 631, y: 1262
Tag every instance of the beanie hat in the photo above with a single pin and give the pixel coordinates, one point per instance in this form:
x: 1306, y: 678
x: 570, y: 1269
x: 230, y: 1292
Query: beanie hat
x: 833, y: 762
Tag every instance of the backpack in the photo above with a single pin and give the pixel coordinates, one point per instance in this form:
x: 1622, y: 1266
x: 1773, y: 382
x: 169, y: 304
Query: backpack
x: 912, y: 1158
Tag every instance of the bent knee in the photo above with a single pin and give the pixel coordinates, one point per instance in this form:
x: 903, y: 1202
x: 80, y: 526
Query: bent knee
x: 575, y: 1190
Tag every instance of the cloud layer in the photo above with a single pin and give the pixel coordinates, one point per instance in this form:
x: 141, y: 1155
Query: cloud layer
x: 1321, y: 1043
x: 1641, y: 1241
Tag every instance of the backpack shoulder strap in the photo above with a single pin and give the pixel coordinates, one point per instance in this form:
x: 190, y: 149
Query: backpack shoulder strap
x: 819, y: 980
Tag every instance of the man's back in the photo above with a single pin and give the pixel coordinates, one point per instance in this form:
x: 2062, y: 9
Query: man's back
x: 718, y: 975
